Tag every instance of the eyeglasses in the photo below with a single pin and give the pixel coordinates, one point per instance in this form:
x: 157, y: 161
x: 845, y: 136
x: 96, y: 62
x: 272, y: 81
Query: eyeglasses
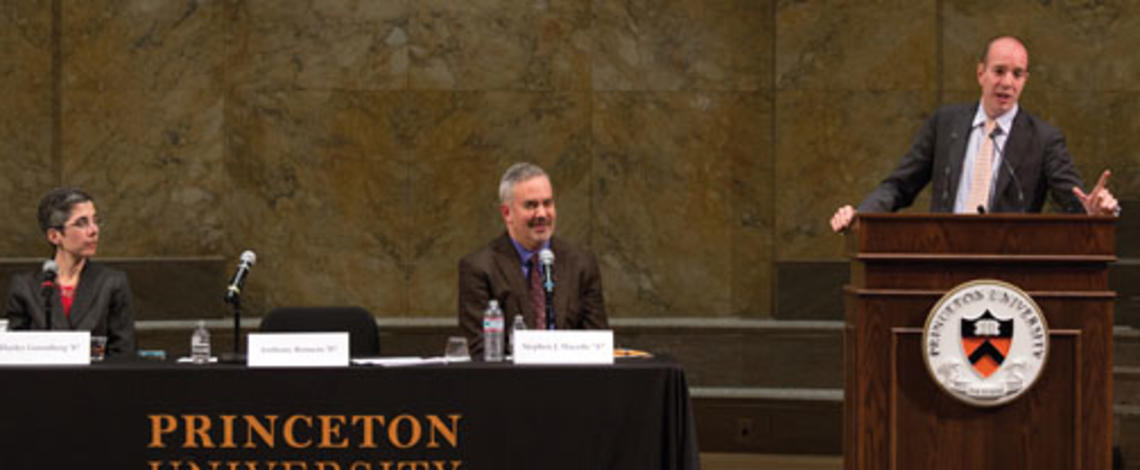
x: 84, y: 223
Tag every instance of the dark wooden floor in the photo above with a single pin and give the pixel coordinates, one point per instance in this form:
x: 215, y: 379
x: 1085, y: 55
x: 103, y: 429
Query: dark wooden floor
x: 723, y: 461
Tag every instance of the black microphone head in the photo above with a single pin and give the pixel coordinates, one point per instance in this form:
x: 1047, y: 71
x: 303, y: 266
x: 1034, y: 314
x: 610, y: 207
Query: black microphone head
x: 546, y: 257
x: 981, y: 209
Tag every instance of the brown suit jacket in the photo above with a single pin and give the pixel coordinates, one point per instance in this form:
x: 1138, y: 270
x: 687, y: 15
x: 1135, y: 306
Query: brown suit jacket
x: 495, y: 272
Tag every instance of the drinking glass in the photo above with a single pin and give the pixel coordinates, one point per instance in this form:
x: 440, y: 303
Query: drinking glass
x: 456, y: 349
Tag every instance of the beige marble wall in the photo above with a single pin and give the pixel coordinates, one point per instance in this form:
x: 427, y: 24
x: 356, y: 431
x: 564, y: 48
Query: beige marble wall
x: 356, y: 145
x: 26, y: 124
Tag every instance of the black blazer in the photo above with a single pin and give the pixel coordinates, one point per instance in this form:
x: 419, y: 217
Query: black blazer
x: 495, y: 272
x: 1035, y: 152
x: 102, y: 305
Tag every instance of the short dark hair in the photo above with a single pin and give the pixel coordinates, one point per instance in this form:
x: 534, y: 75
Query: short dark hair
x: 516, y: 174
x: 56, y: 205
x: 985, y: 55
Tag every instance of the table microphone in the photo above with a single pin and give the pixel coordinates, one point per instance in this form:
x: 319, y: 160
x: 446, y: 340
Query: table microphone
x: 233, y: 291
x: 546, y: 257
x: 50, y: 270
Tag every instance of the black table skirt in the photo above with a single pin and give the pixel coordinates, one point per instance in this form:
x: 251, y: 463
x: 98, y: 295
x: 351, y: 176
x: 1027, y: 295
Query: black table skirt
x: 632, y: 415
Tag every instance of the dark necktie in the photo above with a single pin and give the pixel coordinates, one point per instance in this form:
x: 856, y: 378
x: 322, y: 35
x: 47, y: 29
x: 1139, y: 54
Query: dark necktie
x: 537, y: 297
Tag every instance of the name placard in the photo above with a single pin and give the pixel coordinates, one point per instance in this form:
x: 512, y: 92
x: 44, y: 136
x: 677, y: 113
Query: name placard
x: 564, y: 347
x: 298, y: 350
x: 45, y: 348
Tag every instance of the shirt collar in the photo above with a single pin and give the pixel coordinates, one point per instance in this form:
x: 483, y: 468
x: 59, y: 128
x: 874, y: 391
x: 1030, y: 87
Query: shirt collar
x: 1005, y: 121
x: 524, y: 254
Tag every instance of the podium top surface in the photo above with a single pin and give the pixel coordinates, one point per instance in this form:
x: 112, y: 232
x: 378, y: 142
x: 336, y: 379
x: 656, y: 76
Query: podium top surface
x: 1045, y: 236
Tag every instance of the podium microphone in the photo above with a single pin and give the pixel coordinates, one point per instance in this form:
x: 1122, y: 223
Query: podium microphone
x: 50, y: 270
x: 1004, y: 162
x: 546, y: 257
x: 233, y: 292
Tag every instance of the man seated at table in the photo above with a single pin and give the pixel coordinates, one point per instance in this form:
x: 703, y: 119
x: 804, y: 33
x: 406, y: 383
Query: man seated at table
x: 85, y: 295
x: 507, y: 269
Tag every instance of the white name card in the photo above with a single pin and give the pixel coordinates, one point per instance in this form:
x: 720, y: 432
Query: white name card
x: 564, y: 347
x: 297, y: 350
x: 45, y: 348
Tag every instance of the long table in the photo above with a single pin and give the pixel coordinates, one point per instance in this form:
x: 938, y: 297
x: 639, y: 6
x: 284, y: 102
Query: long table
x: 632, y: 415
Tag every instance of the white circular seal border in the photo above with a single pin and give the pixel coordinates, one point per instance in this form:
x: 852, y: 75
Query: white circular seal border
x: 949, y: 367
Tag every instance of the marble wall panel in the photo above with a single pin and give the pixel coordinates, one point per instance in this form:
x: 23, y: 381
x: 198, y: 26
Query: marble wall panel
x: 1101, y: 131
x: 718, y: 45
x: 339, y: 44
x: 752, y: 162
x: 832, y: 149
x: 456, y: 170
x: 142, y: 45
x: 25, y: 38
x: 664, y: 205
x: 26, y: 167
x: 318, y: 191
x: 1073, y: 46
x: 879, y: 46
x: 152, y: 160
x: 499, y: 45
x: 25, y: 123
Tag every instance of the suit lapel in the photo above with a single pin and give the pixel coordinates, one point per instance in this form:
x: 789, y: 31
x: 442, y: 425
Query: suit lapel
x: 84, y: 293
x: 561, y: 289
x: 960, y: 137
x: 59, y: 321
x: 1015, y: 149
x: 510, y: 268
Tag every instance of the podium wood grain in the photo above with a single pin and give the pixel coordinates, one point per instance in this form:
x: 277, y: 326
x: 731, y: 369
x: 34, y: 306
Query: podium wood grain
x: 896, y: 416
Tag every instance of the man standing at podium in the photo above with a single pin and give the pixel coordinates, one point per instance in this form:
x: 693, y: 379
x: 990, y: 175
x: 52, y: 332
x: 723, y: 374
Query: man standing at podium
x: 508, y: 270
x: 988, y: 156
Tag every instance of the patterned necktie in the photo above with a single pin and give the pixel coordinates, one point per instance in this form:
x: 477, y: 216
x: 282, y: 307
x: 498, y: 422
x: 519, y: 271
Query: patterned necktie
x: 537, y: 297
x: 983, y: 172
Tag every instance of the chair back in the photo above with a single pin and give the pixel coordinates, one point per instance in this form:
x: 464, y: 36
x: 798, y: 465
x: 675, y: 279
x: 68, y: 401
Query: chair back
x: 363, y: 335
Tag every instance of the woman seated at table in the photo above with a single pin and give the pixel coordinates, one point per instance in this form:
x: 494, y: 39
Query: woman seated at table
x: 86, y: 295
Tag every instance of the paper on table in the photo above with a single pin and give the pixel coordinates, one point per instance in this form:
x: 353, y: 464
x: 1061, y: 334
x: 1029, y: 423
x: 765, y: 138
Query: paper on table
x: 398, y: 361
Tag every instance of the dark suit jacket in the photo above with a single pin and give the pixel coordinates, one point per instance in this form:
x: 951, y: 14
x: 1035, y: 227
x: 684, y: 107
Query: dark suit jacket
x: 1034, y: 151
x: 102, y: 305
x: 495, y: 272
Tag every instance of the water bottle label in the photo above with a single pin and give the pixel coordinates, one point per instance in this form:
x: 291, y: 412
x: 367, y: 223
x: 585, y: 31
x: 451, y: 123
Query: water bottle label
x: 492, y: 325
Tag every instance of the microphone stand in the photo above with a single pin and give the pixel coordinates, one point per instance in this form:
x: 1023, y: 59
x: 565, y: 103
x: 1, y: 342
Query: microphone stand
x: 548, y: 293
x: 235, y: 357
x: 46, y: 291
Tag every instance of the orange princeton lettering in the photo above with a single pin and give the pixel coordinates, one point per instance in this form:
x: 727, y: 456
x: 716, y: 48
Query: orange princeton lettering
x: 228, y: 432
x: 197, y: 428
x: 367, y: 441
x: 394, y: 431
x: 252, y: 425
x: 331, y: 429
x: 290, y: 436
x: 449, y: 433
x: 160, y: 425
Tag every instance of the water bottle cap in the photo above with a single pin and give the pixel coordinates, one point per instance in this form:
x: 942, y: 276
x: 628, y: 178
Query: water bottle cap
x: 493, y: 303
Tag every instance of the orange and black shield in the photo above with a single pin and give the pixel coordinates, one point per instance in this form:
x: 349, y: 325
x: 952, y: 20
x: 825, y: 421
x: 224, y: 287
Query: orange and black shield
x: 986, y: 341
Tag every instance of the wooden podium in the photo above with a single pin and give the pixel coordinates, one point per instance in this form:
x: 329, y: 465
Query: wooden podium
x: 897, y: 417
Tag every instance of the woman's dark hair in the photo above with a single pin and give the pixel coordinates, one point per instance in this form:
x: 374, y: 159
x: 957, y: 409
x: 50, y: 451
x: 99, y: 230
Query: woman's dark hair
x: 56, y: 206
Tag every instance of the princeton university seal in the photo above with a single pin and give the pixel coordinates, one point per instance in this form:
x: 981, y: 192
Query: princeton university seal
x: 985, y: 342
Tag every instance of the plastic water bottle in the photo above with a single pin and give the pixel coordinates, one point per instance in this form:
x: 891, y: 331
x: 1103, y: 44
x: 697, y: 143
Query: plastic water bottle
x: 200, y: 344
x: 493, y: 332
x: 519, y: 324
